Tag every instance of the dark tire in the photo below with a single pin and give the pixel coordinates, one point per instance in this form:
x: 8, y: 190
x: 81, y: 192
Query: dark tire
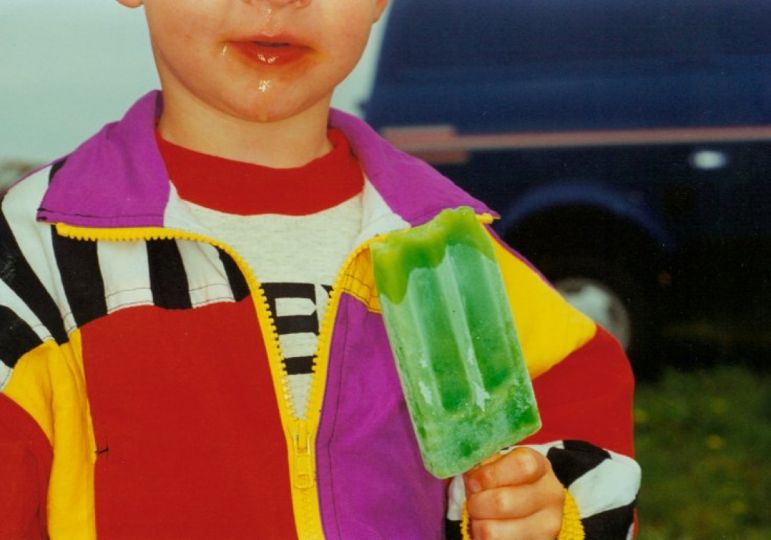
x: 611, y: 295
x: 605, y: 269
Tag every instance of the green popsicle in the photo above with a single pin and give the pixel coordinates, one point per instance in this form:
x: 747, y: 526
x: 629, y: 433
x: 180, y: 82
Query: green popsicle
x: 453, y: 336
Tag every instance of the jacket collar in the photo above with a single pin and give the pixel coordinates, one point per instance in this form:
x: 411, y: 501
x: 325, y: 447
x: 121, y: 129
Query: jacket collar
x: 117, y: 178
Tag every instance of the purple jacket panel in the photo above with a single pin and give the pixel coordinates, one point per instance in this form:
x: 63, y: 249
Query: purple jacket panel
x: 412, y: 188
x: 372, y: 483
x: 116, y: 178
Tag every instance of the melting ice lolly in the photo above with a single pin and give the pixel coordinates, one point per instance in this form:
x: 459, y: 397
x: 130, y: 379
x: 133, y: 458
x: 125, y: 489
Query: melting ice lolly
x: 457, y: 352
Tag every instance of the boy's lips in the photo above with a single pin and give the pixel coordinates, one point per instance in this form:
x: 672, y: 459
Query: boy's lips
x: 272, y: 51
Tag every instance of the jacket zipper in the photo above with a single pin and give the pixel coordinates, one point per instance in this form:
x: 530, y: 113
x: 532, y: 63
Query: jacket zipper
x: 300, y: 433
x: 304, y: 431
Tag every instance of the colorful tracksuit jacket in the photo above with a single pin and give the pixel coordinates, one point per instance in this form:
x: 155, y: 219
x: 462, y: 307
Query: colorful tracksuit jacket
x: 142, y: 393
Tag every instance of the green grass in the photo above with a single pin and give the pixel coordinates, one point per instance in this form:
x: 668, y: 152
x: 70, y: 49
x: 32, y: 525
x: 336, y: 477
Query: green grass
x: 704, y: 444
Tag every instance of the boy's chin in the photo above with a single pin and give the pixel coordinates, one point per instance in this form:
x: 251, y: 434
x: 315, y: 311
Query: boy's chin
x: 268, y: 111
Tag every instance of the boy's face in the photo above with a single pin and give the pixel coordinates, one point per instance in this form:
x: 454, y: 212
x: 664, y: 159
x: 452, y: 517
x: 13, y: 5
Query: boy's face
x: 257, y: 60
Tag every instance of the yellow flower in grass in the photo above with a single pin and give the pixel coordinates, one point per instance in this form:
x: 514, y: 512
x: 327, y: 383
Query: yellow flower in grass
x: 715, y: 442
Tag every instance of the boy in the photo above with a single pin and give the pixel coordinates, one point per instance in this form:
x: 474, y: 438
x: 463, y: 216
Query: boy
x: 167, y: 371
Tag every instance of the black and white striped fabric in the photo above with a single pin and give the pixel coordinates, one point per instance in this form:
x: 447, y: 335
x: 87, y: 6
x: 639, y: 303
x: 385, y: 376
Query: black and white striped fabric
x: 297, y: 310
x: 51, y: 285
x: 600, y: 481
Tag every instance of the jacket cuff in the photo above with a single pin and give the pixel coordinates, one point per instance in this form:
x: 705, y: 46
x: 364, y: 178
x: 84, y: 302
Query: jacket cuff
x: 571, y: 529
x: 465, y: 524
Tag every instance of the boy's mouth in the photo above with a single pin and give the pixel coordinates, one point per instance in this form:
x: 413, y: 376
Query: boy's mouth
x: 275, y: 44
x: 273, y: 52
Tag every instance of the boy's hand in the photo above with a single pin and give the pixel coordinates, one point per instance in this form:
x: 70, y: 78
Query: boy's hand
x: 517, y: 496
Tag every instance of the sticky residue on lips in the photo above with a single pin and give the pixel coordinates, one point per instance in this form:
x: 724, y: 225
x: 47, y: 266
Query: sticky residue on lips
x: 266, y: 59
x: 271, y: 54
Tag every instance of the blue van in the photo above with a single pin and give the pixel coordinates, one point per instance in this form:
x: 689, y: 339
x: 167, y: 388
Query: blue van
x: 625, y: 143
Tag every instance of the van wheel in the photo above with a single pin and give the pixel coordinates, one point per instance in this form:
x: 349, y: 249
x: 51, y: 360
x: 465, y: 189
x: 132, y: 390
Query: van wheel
x: 601, y: 303
x: 605, y: 267
x: 613, y: 295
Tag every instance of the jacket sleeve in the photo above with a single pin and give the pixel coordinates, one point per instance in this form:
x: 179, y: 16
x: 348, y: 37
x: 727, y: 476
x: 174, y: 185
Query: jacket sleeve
x: 584, y: 388
x: 25, y: 448
x: 585, y: 404
x: 25, y: 464
x: 25, y: 345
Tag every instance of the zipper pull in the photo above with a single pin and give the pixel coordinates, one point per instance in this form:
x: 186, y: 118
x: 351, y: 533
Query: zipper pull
x: 302, y: 450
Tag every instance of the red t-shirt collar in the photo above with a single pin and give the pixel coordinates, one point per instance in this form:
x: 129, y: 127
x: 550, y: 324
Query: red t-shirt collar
x: 242, y: 188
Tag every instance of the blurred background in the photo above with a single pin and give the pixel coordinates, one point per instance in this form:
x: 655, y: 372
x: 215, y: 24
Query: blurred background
x: 626, y: 145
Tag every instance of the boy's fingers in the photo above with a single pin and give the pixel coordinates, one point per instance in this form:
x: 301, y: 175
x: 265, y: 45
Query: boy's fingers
x: 503, y: 503
x: 541, y: 526
x: 520, y: 466
x: 514, y: 502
